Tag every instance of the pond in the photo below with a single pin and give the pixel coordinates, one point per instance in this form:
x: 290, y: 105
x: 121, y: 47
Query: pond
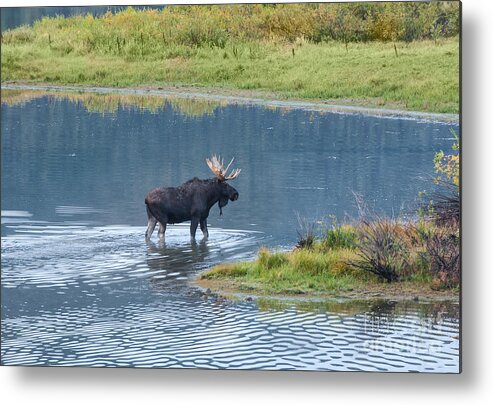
x: 80, y: 286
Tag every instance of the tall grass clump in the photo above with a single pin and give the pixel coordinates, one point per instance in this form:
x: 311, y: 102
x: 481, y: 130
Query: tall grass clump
x: 306, y: 233
x: 444, y: 207
x: 338, y: 236
x: 269, y: 260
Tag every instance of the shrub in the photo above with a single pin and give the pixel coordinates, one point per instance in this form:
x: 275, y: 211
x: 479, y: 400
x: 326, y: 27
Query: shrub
x: 445, y: 206
x: 381, y: 248
x: 443, y: 254
x: 218, y: 25
x: 22, y: 34
x: 449, y: 165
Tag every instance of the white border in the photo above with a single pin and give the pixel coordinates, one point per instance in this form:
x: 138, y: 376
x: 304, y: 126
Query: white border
x: 21, y: 385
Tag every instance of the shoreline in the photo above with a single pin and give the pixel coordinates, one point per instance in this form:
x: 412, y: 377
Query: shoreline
x: 241, y: 97
x: 371, y: 292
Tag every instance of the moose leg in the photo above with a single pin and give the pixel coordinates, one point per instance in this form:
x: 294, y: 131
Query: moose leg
x: 162, y: 230
x: 151, y: 224
x: 203, y: 227
x: 193, y: 227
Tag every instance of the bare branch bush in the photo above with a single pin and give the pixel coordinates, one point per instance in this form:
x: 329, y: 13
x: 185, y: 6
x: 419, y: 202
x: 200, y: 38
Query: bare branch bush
x: 381, y: 248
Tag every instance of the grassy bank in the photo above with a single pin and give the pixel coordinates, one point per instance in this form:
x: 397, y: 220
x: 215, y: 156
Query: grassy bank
x: 301, y: 271
x: 165, y: 48
x: 379, y: 258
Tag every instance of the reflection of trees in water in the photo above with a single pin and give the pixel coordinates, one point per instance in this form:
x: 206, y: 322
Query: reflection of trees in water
x: 383, y: 315
x: 372, y: 318
x: 19, y: 97
x: 380, y: 317
x: 438, y: 312
x: 111, y: 103
x: 342, y: 308
x: 164, y: 259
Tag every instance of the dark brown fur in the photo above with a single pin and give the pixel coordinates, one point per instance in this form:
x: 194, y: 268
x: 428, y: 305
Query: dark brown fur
x: 191, y: 201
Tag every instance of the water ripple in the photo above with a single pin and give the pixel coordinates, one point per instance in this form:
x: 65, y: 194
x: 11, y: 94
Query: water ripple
x: 53, y: 255
x: 156, y: 320
x: 175, y: 333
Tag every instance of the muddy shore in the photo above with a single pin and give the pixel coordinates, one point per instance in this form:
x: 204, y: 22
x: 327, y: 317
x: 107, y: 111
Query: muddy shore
x: 230, y: 289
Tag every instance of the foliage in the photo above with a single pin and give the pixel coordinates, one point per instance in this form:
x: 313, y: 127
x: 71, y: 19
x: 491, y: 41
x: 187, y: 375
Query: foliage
x: 339, y: 236
x: 381, y: 248
x: 442, y: 254
x: 449, y: 165
x: 219, y: 25
x: 270, y: 260
x: 444, y: 205
x: 299, y: 271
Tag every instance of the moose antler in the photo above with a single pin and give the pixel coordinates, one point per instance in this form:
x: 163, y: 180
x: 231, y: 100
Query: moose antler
x: 216, y: 164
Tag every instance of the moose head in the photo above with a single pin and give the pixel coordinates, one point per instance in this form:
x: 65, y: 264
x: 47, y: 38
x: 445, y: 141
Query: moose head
x: 216, y: 164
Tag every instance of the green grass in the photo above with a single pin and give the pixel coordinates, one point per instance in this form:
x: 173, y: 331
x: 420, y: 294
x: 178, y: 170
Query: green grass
x: 332, y: 264
x: 301, y: 271
x: 423, y: 77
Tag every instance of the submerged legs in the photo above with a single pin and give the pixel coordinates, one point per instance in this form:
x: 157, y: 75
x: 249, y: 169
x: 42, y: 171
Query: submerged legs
x: 203, y: 227
x: 193, y: 227
x: 151, y: 224
x: 162, y: 230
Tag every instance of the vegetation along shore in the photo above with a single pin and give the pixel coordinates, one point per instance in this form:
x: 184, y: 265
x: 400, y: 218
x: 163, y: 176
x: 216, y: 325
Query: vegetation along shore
x: 389, y: 55
x: 373, y: 257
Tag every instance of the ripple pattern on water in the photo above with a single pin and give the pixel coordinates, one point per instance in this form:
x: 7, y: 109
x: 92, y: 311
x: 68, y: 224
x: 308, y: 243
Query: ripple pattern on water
x: 47, y: 255
x: 179, y: 333
x: 154, y: 319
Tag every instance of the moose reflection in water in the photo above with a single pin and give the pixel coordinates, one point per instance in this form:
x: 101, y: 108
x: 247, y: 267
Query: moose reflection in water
x: 179, y: 261
x: 191, y: 201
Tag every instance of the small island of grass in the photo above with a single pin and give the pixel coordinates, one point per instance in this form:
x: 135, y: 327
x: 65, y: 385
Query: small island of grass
x: 377, y: 259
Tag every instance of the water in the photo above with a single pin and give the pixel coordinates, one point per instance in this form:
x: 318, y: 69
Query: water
x: 81, y: 287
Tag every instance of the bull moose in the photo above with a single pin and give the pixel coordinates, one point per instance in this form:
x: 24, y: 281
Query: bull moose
x: 191, y: 201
